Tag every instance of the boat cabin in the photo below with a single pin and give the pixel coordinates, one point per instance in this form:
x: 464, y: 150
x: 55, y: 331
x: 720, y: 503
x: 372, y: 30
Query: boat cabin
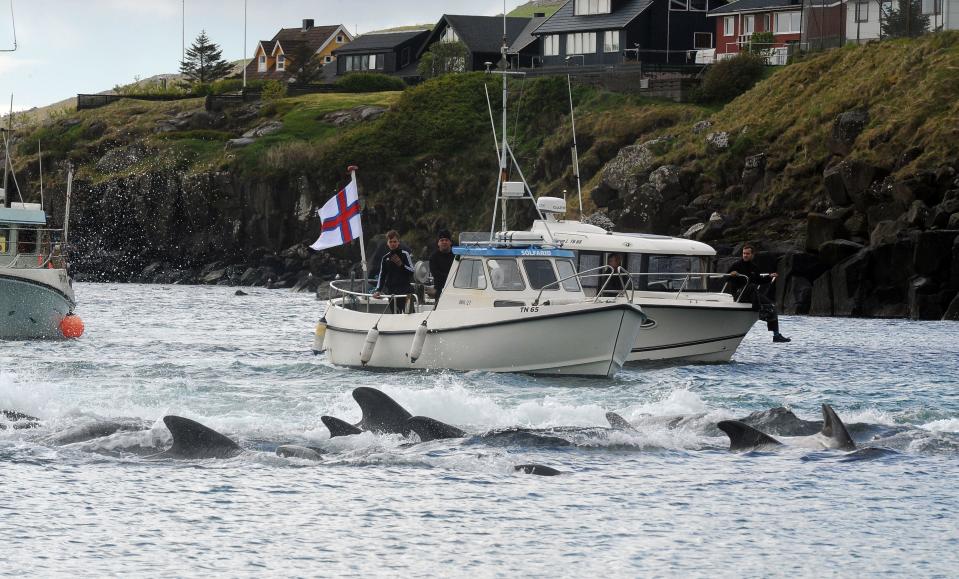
x: 489, y: 276
x: 25, y: 241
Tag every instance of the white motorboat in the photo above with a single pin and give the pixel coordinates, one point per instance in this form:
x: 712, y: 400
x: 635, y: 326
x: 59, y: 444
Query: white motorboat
x: 36, y: 293
x: 687, y: 319
x: 514, y: 307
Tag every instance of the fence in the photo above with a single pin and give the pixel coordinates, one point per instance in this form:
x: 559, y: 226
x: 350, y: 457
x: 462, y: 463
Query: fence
x: 94, y: 101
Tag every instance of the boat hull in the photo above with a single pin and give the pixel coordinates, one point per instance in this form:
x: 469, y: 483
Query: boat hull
x: 692, y: 330
x: 571, y: 339
x: 33, y: 303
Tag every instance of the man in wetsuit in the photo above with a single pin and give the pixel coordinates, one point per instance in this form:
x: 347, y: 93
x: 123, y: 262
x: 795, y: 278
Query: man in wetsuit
x: 745, y: 274
x: 396, y: 271
x: 614, y: 282
x: 441, y: 261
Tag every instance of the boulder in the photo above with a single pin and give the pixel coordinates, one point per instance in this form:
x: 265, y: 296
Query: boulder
x: 856, y: 225
x: 643, y: 210
x: 821, y: 228
x: 666, y: 180
x: 693, y: 230
x: 626, y: 169
x: 952, y: 312
x: 239, y: 143
x: 821, y: 302
x: 954, y: 268
x: 953, y: 222
x: 835, y: 188
x: 701, y: 127
x: 917, y: 215
x: 885, y: 302
x: 845, y: 129
x: 267, y: 128
x: 838, y: 250
x: 602, y: 194
x: 924, y: 300
x: 891, y: 263
x: 600, y: 219
x: 713, y: 228
x: 797, y: 296
x: 753, y: 170
x: 848, y: 279
x: 933, y: 255
x: 213, y: 277
x: 857, y: 177
x: 884, y: 232
x: 717, y: 142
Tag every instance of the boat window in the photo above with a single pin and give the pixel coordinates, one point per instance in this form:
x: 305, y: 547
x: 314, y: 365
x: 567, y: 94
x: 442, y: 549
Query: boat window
x: 470, y: 275
x: 27, y: 241
x: 566, y: 269
x: 588, y: 261
x: 670, y: 273
x: 504, y: 275
x: 4, y: 236
x: 540, y: 273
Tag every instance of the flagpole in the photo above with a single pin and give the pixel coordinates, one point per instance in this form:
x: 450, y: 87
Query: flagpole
x: 366, y: 276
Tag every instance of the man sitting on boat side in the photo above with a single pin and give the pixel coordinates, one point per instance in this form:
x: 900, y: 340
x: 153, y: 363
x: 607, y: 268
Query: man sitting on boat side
x: 441, y: 261
x: 396, y: 272
x: 747, y: 275
x: 613, y: 283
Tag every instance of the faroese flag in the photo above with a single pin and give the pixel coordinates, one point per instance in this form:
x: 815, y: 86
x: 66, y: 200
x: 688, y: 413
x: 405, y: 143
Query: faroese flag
x: 341, y: 218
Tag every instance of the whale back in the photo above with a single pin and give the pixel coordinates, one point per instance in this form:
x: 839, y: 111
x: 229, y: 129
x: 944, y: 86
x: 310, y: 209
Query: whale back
x: 194, y: 440
x: 745, y: 437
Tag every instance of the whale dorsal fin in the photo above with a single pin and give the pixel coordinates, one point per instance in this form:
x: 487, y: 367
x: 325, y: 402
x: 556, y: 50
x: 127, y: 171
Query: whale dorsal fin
x: 835, y: 430
x: 618, y: 422
x: 745, y: 437
x: 431, y: 429
x: 380, y: 412
x: 339, y: 427
x: 194, y: 440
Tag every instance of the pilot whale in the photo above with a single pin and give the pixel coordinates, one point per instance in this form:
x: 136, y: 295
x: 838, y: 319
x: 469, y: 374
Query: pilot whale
x: 833, y: 435
x: 381, y: 414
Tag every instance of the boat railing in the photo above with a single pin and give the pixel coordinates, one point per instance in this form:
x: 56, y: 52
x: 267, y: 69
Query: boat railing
x: 607, y: 271
x: 357, y: 298
x: 40, y: 253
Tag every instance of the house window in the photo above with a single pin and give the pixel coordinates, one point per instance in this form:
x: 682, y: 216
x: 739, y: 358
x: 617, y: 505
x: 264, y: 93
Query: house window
x: 449, y: 35
x: 587, y: 7
x: 932, y: 7
x: 551, y: 45
x: 261, y: 64
x: 749, y: 25
x: 678, y: 5
x: 862, y: 11
x: 698, y: 5
x: 702, y: 40
x: 766, y: 24
x: 581, y: 43
x: 611, y: 41
x: 339, y: 39
x: 327, y: 59
x: 281, y: 62
x: 405, y: 57
x: 789, y: 22
x: 729, y: 25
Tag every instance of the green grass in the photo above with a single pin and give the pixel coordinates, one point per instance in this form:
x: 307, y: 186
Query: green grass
x: 527, y: 10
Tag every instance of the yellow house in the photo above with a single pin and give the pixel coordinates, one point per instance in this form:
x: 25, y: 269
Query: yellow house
x: 272, y: 59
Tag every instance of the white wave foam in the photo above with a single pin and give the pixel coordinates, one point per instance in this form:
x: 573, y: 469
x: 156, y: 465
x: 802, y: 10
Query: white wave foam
x: 945, y: 425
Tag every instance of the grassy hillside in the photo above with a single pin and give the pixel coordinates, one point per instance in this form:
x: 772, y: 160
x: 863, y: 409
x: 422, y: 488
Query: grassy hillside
x: 527, y: 10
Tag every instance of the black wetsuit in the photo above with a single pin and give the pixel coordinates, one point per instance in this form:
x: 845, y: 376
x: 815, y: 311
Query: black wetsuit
x: 440, y: 264
x: 395, y: 279
x: 613, y: 284
x: 747, y: 287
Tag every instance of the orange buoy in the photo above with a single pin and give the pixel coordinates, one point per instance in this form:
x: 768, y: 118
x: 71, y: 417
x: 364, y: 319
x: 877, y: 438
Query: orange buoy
x: 71, y: 326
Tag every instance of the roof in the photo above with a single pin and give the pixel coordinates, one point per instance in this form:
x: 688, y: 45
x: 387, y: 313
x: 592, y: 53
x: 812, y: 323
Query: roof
x: 381, y: 41
x: 481, y: 33
x: 315, y: 37
x: 268, y: 46
x: 755, y: 6
x: 564, y: 20
x: 531, y: 251
x: 526, y: 37
x: 22, y: 216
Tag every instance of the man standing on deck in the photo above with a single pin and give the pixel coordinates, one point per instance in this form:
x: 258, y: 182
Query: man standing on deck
x: 441, y: 261
x: 396, y: 271
x: 747, y: 276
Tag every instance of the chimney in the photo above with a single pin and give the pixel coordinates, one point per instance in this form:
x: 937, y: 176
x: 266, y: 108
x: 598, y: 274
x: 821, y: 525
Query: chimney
x: 307, y: 24
x: 539, y: 15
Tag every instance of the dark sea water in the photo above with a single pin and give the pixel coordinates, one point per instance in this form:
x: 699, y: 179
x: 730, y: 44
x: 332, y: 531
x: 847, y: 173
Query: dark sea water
x: 657, y: 501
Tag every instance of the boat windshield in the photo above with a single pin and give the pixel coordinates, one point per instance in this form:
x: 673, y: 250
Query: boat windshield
x: 540, y: 273
x: 505, y: 275
x: 672, y: 272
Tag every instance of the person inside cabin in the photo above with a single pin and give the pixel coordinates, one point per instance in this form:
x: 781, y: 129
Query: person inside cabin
x: 441, y: 261
x: 747, y: 281
x: 396, y: 273
x: 613, y: 283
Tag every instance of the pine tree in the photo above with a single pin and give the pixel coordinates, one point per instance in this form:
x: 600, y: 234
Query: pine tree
x: 904, y: 18
x: 203, y: 62
x: 304, y: 66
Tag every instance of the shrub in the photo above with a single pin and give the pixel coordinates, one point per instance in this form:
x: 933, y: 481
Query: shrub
x: 369, y: 82
x: 730, y: 78
x: 273, y: 90
x: 761, y: 42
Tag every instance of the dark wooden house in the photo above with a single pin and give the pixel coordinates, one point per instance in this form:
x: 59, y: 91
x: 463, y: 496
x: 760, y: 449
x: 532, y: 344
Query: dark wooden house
x: 610, y: 32
x: 393, y: 53
x: 482, y: 36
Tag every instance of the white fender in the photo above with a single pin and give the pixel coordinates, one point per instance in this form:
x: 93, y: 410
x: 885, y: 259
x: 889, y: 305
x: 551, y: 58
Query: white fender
x: 371, y: 337
x: 418, y: 339
x: 319, y: 337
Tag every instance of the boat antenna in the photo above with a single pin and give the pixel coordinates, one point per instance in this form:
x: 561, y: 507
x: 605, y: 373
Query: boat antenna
x: 13, y: 23
x: 40, y: 162
x: 572, y: 119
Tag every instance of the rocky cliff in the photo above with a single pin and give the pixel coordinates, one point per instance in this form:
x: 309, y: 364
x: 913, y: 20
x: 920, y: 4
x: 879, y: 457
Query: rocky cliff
x: 844, y: 167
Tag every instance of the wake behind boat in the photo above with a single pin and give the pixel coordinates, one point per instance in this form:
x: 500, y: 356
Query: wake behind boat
x: 514, y: 308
